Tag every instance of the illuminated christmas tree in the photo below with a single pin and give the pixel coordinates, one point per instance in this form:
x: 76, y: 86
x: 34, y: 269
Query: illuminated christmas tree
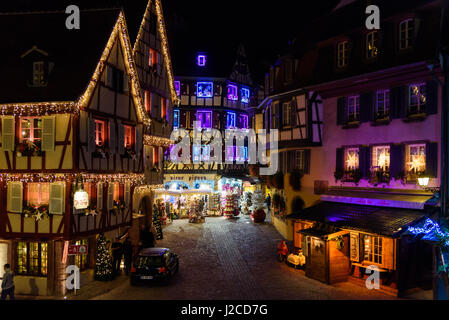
x: 229, y: 206
x: 103, y: 261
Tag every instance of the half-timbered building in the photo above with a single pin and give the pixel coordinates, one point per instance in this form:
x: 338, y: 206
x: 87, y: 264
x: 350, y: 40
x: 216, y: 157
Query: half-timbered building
x: 72, y: 122
x: 218, y: 95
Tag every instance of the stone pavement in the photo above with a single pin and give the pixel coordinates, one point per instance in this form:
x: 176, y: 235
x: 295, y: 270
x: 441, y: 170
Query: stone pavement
x: 226, y: 260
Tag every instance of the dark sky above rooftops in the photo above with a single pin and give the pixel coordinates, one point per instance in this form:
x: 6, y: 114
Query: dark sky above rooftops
x: 264, y: 27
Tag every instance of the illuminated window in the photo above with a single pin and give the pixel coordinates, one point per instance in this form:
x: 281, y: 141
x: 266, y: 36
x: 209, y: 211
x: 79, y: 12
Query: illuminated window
x: 351, y: 159
x: 152, y: 57
x: 244, y: 120
x: 205, y: 153
x: 353, y: 108
x: 371, y: 45
x: 231, y: 153
x: 204, y: 89
x: 163, y: 107
x: 373, y: 249
x: 155, y: 156
x: 81, y: 260
x: 230, y: 120
x: 244, y: 93
x: 30, y: 129
x: 406, y: 30
x: 178, y: 88
x: 38, y: 73
x: 38, y: 193
x: 201, y: 153
x: 381, y: 158
x: 201, y: 60
x: 205, y: 118
x: 342, y: 54
x: 129, y: 136
x: 176, y: 118
x: 415, y: 158
x: 300, y: 156
x: 100, y: 132
x: 382, y: 104
x: 116, y: 191
x: 232, y: 92
x: 148, y: 101
x: 32, y: 258
x: 417, y: 98
x: 242, y: 153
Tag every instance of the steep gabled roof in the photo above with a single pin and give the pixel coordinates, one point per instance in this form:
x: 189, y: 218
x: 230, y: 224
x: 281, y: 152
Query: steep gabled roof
x: 74, y: 53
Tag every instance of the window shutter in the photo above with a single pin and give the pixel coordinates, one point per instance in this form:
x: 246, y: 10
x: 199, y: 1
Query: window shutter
x: 307, y: 155
x: 339, y: 160
x: 139, y: 140
x: 91, y: 136
x: 341, y: 110
x: 112, y: 137
x: 397, y: 159
x: 432, y: 159
x: 121, y: 138
x: 110, y: 202
x: 399, y: 102
x: 354, y: 247
x: 147, y: 56
x: 15, y: 197
x: 8, y: 133
x: 127, y: 193
x: 48, y: 133
x: 109, y: 77
x: 431, y: 97
x: 365, y: 161
x: 126, y: 83
x: 56, y: 205
x: 99, y: 195
x: 366, y: 107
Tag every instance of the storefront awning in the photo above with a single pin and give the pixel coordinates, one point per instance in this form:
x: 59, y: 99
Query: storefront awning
x: 182, y: 192
x: 412, y: 200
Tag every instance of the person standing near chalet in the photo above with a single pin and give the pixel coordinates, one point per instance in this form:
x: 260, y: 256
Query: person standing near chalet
x: 268, y: 202
x: 8, y: 283
x: 128, y: 254
x: 117, y: 253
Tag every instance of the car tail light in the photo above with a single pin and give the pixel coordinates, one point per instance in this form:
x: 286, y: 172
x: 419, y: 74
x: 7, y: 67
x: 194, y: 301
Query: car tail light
x: 162, y: 270
x: 133, y: 269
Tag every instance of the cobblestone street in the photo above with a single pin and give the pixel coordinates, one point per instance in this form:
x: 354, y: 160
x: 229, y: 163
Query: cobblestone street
x: 223, y: 259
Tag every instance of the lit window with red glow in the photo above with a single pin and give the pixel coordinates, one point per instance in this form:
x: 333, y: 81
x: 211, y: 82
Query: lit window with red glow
x: 129, y: 137
x: 153, y: 58
x: 37, y: 194
x: 116, y: 191
x: 100, y: 133
x: 163, y: 107
x: 148, y: 101
x: 155, y: 156
x: 30, y: 129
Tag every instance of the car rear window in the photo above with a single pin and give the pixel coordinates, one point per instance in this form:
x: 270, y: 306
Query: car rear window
x: 156, y: 261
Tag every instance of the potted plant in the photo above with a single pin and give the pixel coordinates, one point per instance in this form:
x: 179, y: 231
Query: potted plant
x: 338, y: 175
x: 356, y: 176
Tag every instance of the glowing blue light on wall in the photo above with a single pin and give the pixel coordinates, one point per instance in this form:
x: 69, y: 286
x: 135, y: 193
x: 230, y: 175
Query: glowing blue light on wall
x: 244, y: 93
x: 204, y: 89
x: 431, y: 231
x: 198, y: 184
x: 201, y: 60
x: 232, y: 92
x: 178, y: 87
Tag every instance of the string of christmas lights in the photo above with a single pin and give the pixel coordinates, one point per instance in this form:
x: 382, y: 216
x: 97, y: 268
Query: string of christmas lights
x: 157, y: 141
x: 430, y: 228
x: 38, y: 109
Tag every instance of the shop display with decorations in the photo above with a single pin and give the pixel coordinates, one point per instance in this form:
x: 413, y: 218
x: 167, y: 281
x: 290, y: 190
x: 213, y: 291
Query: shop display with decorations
x: 229, y: 208
x: 258, y: 213
x: 246, y: 203
x: 157, y: 222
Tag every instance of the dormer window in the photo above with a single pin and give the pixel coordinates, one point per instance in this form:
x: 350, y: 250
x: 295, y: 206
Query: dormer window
x: 152, y: 57
x: 342, y: 54
x: 38, y: 73
x: 406, y: 33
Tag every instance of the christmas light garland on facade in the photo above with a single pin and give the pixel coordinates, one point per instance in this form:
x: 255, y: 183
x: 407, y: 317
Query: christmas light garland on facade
x: 134, y: 178
x: 38, y: 108
x: 157, y: 141
x: 171, y: 79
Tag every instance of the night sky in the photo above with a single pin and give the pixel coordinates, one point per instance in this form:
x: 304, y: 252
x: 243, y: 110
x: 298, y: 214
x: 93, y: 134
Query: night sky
x: 264, y: 27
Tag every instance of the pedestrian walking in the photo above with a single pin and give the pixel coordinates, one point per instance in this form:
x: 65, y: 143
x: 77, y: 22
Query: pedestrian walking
x: 128, y: 250
x: 117, y: 253
x: 268, y: 202
x: 8, y: 283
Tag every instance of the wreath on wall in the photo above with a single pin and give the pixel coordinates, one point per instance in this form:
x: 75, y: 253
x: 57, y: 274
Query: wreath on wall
x: 340, y: 242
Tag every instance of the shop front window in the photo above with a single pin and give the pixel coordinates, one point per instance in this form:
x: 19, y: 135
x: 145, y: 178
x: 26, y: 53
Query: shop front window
x: 32, y: 258
x: 351, y: 159
x: 381, y: 158
x: 415, y: 159
x: 373, y: 249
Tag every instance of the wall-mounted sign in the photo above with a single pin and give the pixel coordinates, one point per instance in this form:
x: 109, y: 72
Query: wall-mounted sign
x: 75, y: 249
x: 81, y: 200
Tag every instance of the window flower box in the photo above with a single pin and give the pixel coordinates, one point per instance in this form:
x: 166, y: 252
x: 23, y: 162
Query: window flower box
x: 129, y: 154
x: 101, y: 152
x: 415, y: 117
x: 36, y: 212
x: 379, y: 176
x: 29, y: 149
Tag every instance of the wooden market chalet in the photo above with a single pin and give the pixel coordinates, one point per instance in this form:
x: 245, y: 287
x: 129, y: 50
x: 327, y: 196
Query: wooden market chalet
x: 75, y: 117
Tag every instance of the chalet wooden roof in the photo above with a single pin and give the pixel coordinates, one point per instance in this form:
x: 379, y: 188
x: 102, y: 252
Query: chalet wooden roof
x: 73, y: 54
x: 389, y: 222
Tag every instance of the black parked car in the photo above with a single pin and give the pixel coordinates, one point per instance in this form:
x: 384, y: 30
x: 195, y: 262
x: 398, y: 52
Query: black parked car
x: 154, y: 264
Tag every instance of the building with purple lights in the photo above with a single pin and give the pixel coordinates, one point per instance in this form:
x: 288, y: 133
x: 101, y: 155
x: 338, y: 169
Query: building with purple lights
x: 371, y: 104
x: 220, y: 96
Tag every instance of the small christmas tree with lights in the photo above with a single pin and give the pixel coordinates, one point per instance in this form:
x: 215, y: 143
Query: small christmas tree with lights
x: 157, y: 222
x: 229, y: 206
x: 103, y: 261
x: 246, y: 203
